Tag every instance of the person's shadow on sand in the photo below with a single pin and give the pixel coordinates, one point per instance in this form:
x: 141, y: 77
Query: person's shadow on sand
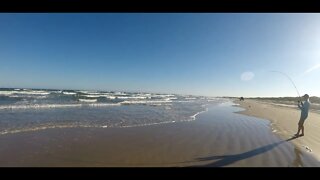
x: 230, y: 159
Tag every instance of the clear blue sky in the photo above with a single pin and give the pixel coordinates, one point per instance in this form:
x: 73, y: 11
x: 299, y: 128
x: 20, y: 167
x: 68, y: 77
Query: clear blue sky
x: 201, y: 54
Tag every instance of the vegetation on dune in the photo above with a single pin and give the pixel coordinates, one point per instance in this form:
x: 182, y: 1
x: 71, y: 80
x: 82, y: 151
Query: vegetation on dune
x: 290, y: 100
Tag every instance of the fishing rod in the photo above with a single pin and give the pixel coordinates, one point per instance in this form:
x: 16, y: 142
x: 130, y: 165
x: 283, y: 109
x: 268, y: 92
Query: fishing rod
x: 290, y: 80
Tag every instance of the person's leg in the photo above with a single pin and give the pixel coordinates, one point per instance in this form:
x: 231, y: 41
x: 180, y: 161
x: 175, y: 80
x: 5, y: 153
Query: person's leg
x: 299, y: 128
x: 300, y: 124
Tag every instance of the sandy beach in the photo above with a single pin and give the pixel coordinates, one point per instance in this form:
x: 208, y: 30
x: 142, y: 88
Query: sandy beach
x: 284, y: 122
x: 159, y: 89
x: 217, y: 138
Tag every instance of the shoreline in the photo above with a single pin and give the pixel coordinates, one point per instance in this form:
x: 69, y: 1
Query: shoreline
x: 283, y: 123
x: 220, y: 137
x: 191, y: 118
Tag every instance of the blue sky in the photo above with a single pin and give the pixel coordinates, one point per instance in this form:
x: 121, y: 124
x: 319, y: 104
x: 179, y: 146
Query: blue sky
x: 200, y: 54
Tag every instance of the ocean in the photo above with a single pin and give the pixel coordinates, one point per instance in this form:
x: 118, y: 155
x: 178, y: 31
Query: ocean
x: 35, y: 109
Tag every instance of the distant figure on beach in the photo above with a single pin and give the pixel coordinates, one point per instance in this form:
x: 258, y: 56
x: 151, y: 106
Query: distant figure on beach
x: 241, y: 99
x: 304, y: 107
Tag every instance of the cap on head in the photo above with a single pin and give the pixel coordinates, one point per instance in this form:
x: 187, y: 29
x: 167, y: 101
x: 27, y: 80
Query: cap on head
x: 306, y: 96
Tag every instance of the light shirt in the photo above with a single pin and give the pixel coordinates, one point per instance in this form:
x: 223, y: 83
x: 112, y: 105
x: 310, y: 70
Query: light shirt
x: 304, y: 108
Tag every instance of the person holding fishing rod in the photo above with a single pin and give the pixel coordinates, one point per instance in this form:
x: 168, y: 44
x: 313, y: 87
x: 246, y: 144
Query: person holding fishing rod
x: 304, y: 107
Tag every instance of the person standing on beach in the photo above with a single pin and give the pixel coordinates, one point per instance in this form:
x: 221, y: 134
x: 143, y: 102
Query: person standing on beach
x: 304, y: 107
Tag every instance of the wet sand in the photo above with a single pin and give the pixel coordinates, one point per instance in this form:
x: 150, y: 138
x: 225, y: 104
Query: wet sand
x: 285, y: 123
x: 218, y: 137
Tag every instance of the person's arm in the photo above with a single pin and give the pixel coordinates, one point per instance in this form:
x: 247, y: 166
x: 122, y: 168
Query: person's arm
x: 300, y: 105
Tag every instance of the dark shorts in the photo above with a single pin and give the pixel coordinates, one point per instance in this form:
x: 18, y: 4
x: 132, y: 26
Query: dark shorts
x: 301, y: 121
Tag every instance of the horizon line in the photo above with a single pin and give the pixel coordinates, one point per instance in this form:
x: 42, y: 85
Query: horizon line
x: 132, y: 91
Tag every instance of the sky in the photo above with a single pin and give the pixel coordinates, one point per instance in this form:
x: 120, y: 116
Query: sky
x: 211, y: 54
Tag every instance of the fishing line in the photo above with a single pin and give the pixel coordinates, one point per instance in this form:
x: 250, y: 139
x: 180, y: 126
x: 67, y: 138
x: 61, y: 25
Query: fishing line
x: 290, y: 81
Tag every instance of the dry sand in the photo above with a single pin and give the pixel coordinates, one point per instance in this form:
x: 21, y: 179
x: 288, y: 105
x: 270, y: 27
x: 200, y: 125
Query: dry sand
x: 218, y: 137
x: 285, y: 123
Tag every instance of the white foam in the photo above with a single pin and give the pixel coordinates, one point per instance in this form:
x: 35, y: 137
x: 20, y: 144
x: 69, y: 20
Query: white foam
x: 183, y: 101
x: 156, y: 123
x: 163, y: 95
x: 93, y: 93
x: 145, y: 102
x: 131, y: 97
x: 43, y: 128
x: 80, y: 126
x: 92, y: 96
x: 23, y: 96
x: 40, y: 97
x: 6, y: 92
x: 47, y: 106
x: 56, y: 92
x: 90, y: 92
x: 84, y: 126
x: 195, y: 115
x: 141, y: 94
x: 32, y: 92
x: 16, y: 93
x: 212, y: 100
x: 84, y: 92
x: 155, y: 104
x: 100, y: 95
x: 110, y: 97
x: 69, y: 93
x: 14, y: 96
x: 192, y: 118
x: 38, y: 106
x: 172, y: 98
x: 190, y: 98
x: 88, y: 100
x: 104, y: 104
x: 148, y: 124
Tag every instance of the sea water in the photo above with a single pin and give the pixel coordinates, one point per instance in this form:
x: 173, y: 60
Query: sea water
x: 35, y: 109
